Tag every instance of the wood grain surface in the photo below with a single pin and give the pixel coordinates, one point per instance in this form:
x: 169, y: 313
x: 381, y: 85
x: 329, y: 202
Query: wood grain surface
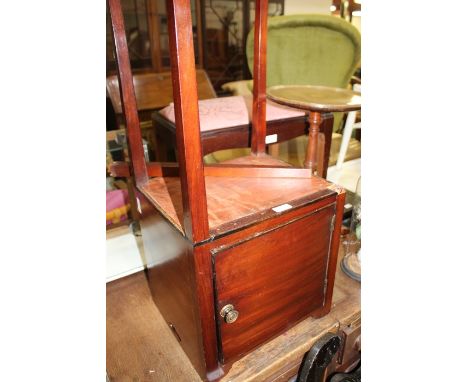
x: 272, y: 282
x: 315, y: 98
x: 141, y: 347
x: 259, y: 78
x: 179, y: 21
x: 224, y: 193
x: 311, y: 158
x: 171, y: 169
x: 154, y: 90
x: 259, y: 159
x: 170, y: 272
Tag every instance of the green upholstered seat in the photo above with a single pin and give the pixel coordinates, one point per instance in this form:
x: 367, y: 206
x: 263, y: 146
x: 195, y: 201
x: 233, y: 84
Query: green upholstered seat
x: 308, y: 49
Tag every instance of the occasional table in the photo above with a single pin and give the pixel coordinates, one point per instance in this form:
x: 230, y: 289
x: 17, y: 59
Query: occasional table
x: 316, y: 100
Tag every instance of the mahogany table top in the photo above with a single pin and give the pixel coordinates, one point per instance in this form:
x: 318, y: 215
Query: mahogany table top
x: 315, y: 98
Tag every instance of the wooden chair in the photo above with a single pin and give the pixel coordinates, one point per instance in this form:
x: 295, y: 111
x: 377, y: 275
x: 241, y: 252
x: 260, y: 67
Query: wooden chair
x: 153, y: 91
x: 237, y: 252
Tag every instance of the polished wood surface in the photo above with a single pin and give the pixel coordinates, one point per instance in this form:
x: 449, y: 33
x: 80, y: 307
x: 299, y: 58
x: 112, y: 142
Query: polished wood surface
x: 170, y: 273
x: 180, y: 273
x: 231, y: 199
x: 154, y: 90
x: 293, y: 270
x: 259, y: 78
x: 158, y: 169
x: 169, y: 252
x: 311, y: 158
x: 326, y: 133
x: 142, y: 347
x: 315, y: 98
x: 135, y: 146
x: 195, y: 216
x: 259, y: 159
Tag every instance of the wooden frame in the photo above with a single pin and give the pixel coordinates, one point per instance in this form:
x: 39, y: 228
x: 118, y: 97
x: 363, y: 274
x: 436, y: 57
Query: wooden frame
x: 189, y: 220
x: 191, y: 168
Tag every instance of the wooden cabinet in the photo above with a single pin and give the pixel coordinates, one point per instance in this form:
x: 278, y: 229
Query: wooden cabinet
x: 272, y: 280
x: 238, y: 252
x: 274, y: 268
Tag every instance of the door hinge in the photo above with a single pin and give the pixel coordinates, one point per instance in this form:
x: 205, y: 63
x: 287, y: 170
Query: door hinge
x: 332, y: 223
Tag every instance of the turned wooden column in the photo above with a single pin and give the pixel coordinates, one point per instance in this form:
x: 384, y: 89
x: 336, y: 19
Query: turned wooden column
x: 312, y: 146
x: 317, y: 100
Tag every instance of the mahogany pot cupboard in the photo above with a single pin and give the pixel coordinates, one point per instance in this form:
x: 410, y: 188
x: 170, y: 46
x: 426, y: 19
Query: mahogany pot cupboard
x: 236, y: 252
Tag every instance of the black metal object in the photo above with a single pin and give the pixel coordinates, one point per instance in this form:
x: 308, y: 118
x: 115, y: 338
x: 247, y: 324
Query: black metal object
x: 319, y: 357
x: 354, y: 376
x: 348, y: 271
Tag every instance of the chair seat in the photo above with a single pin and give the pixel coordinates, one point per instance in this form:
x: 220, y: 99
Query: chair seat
x: 226, y: 112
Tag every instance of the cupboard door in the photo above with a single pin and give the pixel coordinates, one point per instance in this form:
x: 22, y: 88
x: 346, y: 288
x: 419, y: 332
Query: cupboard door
x: 268, y: 283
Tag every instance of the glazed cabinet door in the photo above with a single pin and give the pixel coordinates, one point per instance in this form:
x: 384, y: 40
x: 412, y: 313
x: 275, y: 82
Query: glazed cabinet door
x: 267, y: 283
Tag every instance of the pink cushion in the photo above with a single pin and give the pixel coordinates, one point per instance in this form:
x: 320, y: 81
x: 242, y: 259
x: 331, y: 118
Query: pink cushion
x: 223, y: 112
x: 275, y: 111
x: 216, y: 113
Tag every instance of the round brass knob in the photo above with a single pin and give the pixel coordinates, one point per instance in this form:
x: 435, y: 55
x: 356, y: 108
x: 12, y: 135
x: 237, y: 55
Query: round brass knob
x: 229, y: 313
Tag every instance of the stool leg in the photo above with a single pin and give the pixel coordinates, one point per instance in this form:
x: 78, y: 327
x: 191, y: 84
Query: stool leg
x: 312, y: 146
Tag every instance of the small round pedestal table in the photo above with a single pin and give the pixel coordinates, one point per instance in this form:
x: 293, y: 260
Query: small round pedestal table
x: 316, y: 100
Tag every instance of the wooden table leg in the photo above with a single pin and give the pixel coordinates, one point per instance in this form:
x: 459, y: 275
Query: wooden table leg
x: 273, y: 150
x: 326, y: 132
x: 312, y: 146
x: 321, y: 156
